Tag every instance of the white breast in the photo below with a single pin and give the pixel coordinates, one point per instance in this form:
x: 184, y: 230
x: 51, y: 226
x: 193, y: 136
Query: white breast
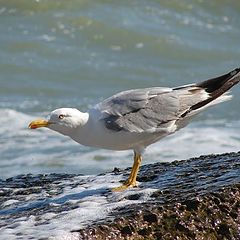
x: 95, y: 134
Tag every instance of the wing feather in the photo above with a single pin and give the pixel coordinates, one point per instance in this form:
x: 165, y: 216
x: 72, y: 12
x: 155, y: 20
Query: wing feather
x: 148, y: 110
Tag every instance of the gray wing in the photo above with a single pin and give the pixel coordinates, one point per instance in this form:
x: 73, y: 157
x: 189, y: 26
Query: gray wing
x: 144, y: 110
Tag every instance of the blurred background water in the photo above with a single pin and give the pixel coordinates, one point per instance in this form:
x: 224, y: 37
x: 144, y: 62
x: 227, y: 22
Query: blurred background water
x: 75, y: 53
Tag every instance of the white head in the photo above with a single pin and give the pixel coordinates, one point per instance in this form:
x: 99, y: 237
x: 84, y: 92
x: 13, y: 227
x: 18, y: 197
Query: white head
x: 63, y: 120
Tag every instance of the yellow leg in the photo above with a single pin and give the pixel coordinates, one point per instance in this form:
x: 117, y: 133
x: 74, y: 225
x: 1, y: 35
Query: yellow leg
x: 131, y: 182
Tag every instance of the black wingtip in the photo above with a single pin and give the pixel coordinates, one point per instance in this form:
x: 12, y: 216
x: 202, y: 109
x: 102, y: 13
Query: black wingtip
x: 216, y: 87
x: 235, y: 71
x: 213, y: 84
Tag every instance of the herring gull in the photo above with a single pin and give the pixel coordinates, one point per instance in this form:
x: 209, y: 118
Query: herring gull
x: 134, y: 119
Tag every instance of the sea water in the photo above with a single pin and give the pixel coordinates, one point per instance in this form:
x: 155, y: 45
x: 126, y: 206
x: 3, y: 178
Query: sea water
x: 76, y: 53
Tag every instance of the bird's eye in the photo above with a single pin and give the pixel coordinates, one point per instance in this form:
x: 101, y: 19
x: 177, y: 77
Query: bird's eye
x: 61, y: 116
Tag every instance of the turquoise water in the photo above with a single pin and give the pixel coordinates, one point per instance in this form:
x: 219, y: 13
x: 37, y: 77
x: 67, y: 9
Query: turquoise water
x: 75, y: 53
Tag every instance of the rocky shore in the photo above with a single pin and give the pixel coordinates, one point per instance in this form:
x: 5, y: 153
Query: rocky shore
x: 197, y: 198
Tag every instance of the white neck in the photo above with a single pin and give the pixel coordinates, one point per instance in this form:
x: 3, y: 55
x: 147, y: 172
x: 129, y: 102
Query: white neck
x: 81, y: 119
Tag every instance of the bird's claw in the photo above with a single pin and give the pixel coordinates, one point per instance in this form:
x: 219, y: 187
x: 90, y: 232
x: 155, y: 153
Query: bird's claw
x: 126, y: 185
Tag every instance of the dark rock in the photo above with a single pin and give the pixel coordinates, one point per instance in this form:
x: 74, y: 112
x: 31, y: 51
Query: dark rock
x: 134, y: 196
x: 191, y: 204
x: 224, y: 230
x: 127, y: 230
x: 145, y: 231
x: 197, y: 198
x: 150, y: 217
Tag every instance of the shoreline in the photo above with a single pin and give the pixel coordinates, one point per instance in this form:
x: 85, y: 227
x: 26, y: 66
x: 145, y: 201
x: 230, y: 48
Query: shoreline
x: 195, y: 198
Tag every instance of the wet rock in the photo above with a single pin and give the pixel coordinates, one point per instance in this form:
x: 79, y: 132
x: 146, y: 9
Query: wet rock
x: 134, y: 196
x: 150, y: 217
x: 191, y: 204
x: 197, y: 198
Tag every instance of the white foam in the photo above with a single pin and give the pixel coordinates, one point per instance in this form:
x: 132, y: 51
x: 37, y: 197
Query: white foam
x: 92, y: 204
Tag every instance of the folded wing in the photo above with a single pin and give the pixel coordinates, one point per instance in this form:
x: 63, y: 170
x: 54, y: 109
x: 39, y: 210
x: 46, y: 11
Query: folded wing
x: 158, y: 109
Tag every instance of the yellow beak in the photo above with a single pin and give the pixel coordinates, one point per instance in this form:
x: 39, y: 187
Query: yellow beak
x: 38, y: 123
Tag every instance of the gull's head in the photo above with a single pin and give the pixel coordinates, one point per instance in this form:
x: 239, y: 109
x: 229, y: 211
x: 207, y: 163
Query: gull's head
x: 63, y: 120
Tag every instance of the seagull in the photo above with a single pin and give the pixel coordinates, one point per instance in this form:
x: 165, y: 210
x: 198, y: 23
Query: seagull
x: 135, y: 119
